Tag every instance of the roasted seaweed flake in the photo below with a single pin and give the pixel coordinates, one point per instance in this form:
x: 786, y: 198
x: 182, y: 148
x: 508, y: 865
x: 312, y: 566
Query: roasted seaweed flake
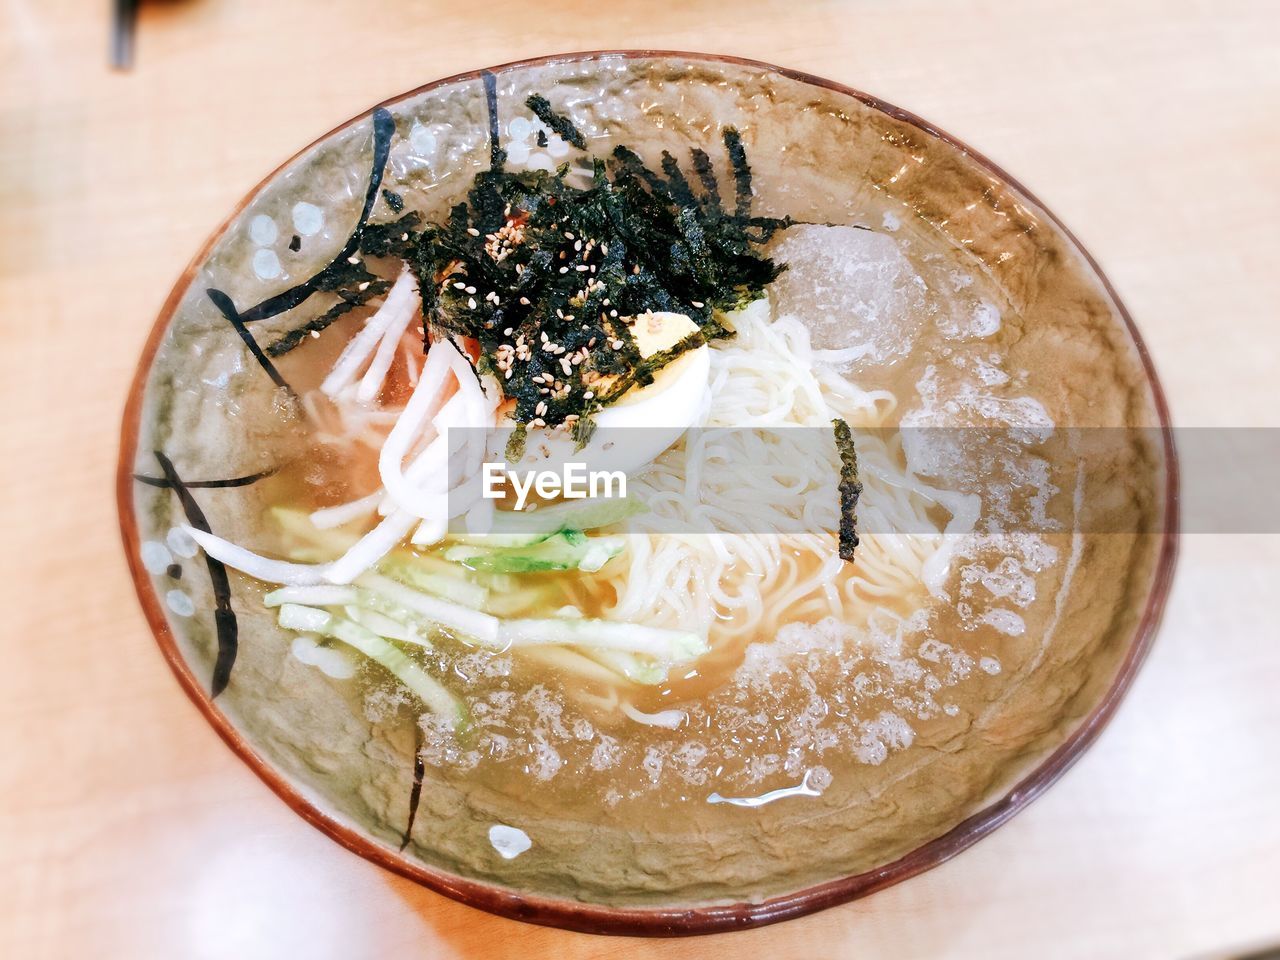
x: 850, y: 489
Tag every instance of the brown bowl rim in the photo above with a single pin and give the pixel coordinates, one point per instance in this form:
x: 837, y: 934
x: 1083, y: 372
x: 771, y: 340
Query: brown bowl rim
x: 670, y: 921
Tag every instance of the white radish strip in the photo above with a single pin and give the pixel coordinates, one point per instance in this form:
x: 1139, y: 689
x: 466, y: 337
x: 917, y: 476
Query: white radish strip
x: 430, y: 531
x: 263, y: 568
x: 425, y: 401
x: 422, y: 464
x: 383, y: 625
x: 670, y: 645
x: 371, y: 548
x: 306, y: 619
x: 321, y: 595
x: 426, y: 500
x: 376, y: 375
x: 327, y: 518
x: 663, y: 718
x: 480, y: 417
x: 411, y: 365
x: 481, y: 627
x: 363, y: 343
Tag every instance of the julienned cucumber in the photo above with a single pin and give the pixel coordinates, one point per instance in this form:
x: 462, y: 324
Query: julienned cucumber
x: 564, y: 551
x: 312, y: 620
x: 566, y: 515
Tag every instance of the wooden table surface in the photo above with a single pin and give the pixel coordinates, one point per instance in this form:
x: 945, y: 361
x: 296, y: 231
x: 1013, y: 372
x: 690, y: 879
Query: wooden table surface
x: 128, y: 830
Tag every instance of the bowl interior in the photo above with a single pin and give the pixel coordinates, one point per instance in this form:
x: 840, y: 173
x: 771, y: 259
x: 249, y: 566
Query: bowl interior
x: 204, y: 409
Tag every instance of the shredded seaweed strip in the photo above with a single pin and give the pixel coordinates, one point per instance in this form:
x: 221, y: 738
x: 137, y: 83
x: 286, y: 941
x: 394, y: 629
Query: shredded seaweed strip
x: 208, y: 484
x: 224, y: 617
x: 228, y: 310
x: 548, y: 276
x: 497, y: 156
x: 353, y: 284
x: 850, y: 490
x: 394, y: 200
x: 347, y: 301
x: 558, y: 122
x: 741, y: 171
x: 415, y: 792
x: 384, y: 126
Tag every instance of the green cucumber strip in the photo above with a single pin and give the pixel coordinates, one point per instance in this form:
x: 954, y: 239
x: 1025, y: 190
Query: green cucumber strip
x: 570, y: 515
x: 394, y: 599
x: 410, y: 571
x: 669, y: 646
x: 554, y: 553
x: 629, y: 665
x: 431, y: 692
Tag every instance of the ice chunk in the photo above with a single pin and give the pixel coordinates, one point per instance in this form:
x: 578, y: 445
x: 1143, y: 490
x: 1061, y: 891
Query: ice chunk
x: 962, y: 428
x: 854, y: 289
x: 970, y: 320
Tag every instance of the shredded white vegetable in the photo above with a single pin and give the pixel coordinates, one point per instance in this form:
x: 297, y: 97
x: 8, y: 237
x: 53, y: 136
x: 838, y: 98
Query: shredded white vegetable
x: 322, y: 595
x: 371, y: 548
x: 405, y: 307
x: 480, y: 627
x: 400, y: 300
x: 327, y: 518
x: 263, y: 568
x: 663, y: 718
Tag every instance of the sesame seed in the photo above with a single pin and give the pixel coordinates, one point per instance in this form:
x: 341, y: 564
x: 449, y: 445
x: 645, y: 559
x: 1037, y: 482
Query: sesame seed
x: 353, y: 259
x: 524, y: 301
x: 564, y: 269
x: 582, y: 268
x: 471, y: 289
x: 363, y: 286
x: 698, y: 304
x: 473, y: 231
x: 588, y: 395
x: 459, y: 285
x: 471, y: 302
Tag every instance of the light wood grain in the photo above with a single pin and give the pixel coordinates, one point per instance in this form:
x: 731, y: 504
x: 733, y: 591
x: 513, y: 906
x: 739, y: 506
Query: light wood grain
x: 128, y: 830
